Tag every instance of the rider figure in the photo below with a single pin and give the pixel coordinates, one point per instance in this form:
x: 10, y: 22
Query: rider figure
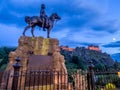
x: 43, y: 16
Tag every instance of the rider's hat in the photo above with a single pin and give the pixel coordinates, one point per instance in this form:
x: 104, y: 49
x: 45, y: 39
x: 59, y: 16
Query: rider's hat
x: 43, y: 6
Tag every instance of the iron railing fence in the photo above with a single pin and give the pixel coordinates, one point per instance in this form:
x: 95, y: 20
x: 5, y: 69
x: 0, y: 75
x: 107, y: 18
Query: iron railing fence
x: 73, y: 79
x: 47, y: 80
x: 1, y: 74
x: 107, y: 80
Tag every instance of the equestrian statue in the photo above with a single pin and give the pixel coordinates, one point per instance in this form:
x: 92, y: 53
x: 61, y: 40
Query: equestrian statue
x: 42, y: 21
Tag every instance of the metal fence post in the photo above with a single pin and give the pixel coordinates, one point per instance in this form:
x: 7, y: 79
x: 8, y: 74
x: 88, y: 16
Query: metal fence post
x: 88, y: 81
x: 91, y: 76
x: 16, y: 67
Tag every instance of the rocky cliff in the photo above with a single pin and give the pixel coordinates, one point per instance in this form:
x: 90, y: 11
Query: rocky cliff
x: 85, y: 55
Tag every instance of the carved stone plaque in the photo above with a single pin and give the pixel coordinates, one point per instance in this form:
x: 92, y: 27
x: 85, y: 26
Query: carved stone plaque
x: 40, y: 62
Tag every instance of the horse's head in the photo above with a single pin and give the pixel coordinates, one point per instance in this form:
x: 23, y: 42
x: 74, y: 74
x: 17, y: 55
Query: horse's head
x: 27, y: 19
x: 55, y: 16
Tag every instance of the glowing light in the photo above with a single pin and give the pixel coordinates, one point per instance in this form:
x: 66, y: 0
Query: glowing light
x: 113, y: 39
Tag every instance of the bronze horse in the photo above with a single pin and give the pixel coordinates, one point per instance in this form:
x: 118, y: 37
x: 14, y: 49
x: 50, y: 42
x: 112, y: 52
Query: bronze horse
x: 37, y: 21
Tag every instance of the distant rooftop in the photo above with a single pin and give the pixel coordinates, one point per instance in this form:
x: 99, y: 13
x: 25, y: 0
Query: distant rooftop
x: 94, y: 47
x: 66, y: 48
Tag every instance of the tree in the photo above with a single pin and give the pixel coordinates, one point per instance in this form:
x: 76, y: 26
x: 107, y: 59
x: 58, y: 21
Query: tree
x: 79, y: 62
x: 4, y: 54
x: 75, y: 60
x: 100, y: 67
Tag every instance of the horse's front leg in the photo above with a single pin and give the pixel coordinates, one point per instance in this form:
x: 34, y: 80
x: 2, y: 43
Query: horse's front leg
x: 48, y: 32
x: 32, y: 31
x: 27, y: 27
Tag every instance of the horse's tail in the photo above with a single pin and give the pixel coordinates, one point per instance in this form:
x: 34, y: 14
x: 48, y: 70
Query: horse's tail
x: 27, y: 19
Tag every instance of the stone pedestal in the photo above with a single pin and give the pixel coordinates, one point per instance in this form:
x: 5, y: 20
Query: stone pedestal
x: 37, y: 46
x: 28, y: 46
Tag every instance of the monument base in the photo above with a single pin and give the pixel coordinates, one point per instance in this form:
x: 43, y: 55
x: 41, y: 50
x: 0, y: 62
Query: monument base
x: 37, y: 53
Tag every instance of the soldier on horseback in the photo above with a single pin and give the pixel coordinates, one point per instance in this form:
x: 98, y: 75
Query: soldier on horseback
x: 43, y: 16
x: 41, y: 21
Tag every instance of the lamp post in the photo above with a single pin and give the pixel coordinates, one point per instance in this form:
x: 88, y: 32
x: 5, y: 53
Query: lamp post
x: 91, y: 76
x: 16, y: 67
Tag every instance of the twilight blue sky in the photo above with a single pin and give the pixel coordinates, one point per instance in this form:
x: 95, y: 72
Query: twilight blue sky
x: 83, y: 22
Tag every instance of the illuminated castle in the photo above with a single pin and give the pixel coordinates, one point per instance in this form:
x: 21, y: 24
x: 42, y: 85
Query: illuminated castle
x: 66, y: 48
x: 90, y: 47
x: 93, y: 47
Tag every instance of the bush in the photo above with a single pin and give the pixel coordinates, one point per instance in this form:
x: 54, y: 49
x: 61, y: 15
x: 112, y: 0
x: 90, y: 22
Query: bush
x: 110, y: 86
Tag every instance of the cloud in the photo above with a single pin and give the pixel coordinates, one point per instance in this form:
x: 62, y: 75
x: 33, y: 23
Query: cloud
x: 60, y: 34
x: 85, y: 15
x: 110, y: 26
x: 87, y: 35
x: 9, y: 35
x: 112, y: 45
x: 83, y: 22
x: 9, y: 19
x: 100, y: 6
x: 77, y: 44
x: 32, y: 2
x: 10, y: 15
x: 78, y: 13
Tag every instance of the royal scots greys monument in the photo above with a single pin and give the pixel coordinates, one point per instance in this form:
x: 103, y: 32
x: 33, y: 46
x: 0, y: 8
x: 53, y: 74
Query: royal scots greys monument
x: 37, y: 53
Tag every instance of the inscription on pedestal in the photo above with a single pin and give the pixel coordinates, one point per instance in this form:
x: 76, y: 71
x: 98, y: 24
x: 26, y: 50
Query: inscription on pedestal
x: 40, y: 62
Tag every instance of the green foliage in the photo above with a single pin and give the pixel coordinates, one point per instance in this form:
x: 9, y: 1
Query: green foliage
x: 75, y: 63
x: 99, y: 67
x: 3, y: 67
x: 4, y: 54
x: 116, y: 65
x: 102, y: 80
x: 116, y: 81
x: 70, y: 65
x: 75, y: 60
x: 79, y: 62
